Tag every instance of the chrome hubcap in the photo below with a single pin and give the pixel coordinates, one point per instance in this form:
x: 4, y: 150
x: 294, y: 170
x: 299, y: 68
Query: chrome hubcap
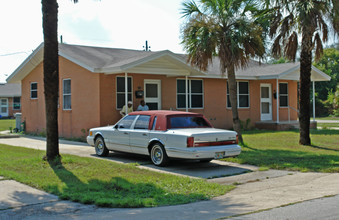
x: 156, y: 154
x: 100, y: 147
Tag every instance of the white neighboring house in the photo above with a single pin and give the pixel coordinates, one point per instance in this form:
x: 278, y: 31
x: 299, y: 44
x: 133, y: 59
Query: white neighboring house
x: 10, y: 99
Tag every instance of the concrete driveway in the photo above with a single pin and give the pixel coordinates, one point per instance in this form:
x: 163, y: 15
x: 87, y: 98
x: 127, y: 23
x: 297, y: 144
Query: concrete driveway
x: 258, y: 190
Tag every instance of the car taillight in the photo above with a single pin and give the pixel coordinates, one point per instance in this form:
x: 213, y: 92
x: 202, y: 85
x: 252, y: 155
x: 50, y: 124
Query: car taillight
x: 190, y: 142
x: 237, y: 140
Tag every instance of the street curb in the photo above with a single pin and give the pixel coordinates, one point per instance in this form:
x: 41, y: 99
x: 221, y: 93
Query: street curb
x: 10, y: 136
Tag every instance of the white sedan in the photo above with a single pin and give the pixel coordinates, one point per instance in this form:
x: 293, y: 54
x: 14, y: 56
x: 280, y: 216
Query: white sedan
x: 165, y: 134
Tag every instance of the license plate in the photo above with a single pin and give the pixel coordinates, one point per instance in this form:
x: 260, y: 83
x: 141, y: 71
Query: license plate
x: 219, y: 155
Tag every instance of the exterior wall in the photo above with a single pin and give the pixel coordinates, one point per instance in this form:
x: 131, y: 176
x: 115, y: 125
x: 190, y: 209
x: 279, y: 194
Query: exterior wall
x: 214, y: 99
x: 93, y: 98
x: 11, y: 110
x: 85, y: 112
x: 33, y: 110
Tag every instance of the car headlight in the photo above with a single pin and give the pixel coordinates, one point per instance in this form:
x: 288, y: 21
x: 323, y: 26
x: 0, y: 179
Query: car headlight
x: 90, y: 133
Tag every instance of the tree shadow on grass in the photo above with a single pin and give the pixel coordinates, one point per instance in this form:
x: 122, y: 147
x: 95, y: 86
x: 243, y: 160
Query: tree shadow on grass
x: 291, y: 160
x: 117, y: 192
x: 323, y: 148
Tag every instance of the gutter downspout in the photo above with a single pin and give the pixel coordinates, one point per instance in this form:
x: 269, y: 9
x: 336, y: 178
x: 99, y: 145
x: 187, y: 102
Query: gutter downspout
x: 186, y: 85
x: 278, y: 100
x: 313, y: 87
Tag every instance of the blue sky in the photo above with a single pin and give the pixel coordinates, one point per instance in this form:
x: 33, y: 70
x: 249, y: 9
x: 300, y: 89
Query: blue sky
x: 106, y: 23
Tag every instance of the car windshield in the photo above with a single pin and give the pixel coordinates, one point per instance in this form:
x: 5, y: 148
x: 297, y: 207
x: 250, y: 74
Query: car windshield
x: 188, y: 122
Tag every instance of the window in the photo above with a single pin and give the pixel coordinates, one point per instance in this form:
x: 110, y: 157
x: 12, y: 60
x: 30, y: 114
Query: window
x: 121, y: 91
x: 66, y: 93
x: 154, y: 122
x: 243, y: 96
x: 283, y: 94
x: 127, y: 122
x: 188, y: 122
x: 142, y: 122
x: 195, y: 93
x: 34, y: 90
x: 16, y: 103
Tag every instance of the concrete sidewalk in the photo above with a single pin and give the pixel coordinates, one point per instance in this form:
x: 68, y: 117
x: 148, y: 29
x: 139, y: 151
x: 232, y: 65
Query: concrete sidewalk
x: 257, y: 191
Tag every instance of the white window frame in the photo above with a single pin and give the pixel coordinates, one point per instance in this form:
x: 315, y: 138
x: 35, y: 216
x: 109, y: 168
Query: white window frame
x: 66, y: 94
x: 280, y: 94
x: 249, y: 98
x: 116, y: 90
x: 190, y: 94
x: 34, y: 90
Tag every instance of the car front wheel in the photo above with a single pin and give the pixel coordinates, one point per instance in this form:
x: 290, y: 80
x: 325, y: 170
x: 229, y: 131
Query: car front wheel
x: 100, y: 147
x: 158, y: 155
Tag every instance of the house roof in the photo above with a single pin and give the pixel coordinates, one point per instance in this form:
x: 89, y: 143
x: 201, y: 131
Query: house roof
x: 10, y: 90
x: 113, y: 61
x: 259, y: 71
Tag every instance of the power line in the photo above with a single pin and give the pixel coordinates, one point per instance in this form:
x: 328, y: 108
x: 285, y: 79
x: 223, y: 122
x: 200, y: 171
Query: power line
x: 10, y: 54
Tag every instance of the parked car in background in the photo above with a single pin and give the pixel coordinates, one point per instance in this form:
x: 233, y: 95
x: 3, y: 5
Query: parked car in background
x: 164, y: 135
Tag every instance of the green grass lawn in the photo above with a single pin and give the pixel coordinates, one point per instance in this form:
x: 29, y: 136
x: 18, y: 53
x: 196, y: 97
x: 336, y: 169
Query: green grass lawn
x: 328, y: 125
x: 327, y: 118
x: 280, y: 150
x: 101, y: 182
x: 6, y: 123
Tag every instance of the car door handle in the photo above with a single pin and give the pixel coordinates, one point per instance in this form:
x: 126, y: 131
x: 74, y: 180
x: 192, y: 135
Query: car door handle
x: 144, y: 134
x: 125, y: 132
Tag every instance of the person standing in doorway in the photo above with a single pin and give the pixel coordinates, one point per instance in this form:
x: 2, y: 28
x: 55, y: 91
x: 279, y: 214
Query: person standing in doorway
x: 142, y: 106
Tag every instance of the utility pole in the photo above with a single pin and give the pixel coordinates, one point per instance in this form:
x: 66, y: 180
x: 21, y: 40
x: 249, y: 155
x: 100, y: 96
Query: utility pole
x: 146, y: 47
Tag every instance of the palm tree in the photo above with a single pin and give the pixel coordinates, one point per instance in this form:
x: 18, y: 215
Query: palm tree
x: 222, y: 28
x: 51, y: 75
x: 310, y: 19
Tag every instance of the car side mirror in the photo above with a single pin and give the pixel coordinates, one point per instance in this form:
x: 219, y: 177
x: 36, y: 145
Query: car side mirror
x: 116, y: 126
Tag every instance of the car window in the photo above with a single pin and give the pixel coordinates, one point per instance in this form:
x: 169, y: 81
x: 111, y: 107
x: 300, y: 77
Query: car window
x: 127, y: 122
x: 142, y: 122
x: 154, y: 122
x: 188, y: 122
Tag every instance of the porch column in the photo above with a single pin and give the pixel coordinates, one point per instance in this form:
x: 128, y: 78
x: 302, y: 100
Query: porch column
x: 186, y: 85
x: 313, y: 100
x: 277, y: 100
x: 126, y: 93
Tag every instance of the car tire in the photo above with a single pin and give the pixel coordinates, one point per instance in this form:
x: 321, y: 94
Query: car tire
x: 205, y: 160
x: 100, y: 147
x: 158, y: 155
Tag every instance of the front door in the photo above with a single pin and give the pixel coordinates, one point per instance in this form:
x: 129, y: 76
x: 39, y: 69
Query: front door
x: 3, y: 107
x: 265, y: 102
x: 153, y: 94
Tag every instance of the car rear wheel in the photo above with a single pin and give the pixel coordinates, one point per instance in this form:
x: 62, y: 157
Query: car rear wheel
x: 158, y: 155
x: 205, y: 160
x: 100, y: 147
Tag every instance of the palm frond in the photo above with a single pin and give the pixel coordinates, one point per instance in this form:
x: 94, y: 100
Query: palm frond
x: 319, y: 47
x: 189, y: 8
x: 291, y: 46
x: 276, y: 47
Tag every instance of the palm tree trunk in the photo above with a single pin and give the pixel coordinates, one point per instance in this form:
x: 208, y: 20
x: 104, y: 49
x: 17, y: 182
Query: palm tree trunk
x: 51, y: 76
x: 234, y: 103
x: 304, y: 88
